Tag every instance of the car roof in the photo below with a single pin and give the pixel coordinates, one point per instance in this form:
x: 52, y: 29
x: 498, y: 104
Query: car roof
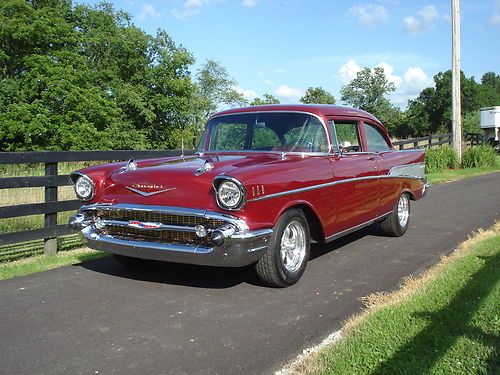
x: 317, y: 109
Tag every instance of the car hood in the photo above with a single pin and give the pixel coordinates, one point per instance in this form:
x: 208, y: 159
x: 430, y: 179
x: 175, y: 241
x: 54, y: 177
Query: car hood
x: 178, y: 181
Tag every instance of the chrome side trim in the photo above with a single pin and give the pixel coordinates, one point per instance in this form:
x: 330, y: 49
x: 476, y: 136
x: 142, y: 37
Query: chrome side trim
x: 328, y: 184
x: 355, y: 228
x: 313, y: 187
x: 415, y: 170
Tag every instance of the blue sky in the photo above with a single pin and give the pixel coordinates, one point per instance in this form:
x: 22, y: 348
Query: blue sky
x: 282, y: 47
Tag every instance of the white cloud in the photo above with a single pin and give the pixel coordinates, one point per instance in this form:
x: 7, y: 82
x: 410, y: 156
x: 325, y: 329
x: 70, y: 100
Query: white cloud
x: 408, y: 86
x: 190, y: 8
x: 422, y: 22
x: 348, y: 71
x: 268, y: 82
x: 495, y: 17
x: 250, y: 3
x: 148, y: 11
x: 287, y: 92
x: 247, y: 94
x: 389, y: 70
x: 369, y: 15
x: 280, y: 71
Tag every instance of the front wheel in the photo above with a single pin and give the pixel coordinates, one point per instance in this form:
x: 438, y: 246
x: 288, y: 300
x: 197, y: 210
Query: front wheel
x: 285, y: 260
x: 396, y: 224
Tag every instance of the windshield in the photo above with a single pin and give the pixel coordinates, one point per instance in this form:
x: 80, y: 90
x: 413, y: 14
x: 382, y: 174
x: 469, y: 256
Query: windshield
x: 272, y: 131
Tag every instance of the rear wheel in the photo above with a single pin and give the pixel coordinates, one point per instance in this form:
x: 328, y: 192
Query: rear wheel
x: 396, y: 224
x: 285, y: 260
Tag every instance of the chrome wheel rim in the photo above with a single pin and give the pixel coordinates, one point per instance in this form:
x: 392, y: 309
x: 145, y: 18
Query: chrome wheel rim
x: 403, y: 210
x: 293, y: 246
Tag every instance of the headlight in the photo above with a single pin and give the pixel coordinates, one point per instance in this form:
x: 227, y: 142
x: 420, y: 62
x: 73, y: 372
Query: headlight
x: 84, y: 188
x: 231, y: 194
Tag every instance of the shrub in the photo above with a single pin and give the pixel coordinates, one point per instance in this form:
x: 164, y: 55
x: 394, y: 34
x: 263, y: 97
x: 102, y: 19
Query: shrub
x: 439, y: 159
x: 479, y: 156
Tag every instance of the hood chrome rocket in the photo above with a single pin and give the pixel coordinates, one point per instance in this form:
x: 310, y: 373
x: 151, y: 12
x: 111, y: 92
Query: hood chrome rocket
x: 207, y: 166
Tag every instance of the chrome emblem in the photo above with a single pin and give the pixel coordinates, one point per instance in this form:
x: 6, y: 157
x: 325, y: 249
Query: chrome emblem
x: 141, y: 189
x: 145, y: 225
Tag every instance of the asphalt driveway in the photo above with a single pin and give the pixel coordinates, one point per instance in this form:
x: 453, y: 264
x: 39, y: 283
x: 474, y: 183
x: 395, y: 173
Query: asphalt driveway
x: 102, y: 318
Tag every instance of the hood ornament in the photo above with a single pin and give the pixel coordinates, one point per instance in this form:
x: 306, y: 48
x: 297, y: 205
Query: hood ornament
x: 208, y: 166
x: 130, y: 166
x: 138, y: 189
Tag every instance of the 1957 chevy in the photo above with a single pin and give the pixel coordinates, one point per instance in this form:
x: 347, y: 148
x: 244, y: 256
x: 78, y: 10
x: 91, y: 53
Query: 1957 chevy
x: 265, y: 183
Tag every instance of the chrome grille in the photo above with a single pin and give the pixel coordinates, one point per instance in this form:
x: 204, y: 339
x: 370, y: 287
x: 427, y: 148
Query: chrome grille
x: 169, y: 236
x: 157, y: 235
x: 158, y: 217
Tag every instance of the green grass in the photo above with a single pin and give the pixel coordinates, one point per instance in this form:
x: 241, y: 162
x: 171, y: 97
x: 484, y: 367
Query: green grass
x: 46, y: 262
x: 447, y: 322
x: 449, y: 175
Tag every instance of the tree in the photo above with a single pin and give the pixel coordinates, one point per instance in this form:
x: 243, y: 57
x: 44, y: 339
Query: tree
x: 217, y: 88
x: 367, y: 91
x: 317, y: 95
x: 268, y: 99
x: 81, y: 77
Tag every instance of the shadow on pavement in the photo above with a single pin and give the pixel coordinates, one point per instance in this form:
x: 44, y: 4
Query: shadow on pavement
x: 203, y: 276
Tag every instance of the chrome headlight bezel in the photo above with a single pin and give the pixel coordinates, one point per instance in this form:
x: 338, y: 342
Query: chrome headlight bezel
x: 229, y: 183
x: 83, y: 179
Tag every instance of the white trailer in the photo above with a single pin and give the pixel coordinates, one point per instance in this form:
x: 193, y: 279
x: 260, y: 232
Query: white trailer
x: 490, y: 123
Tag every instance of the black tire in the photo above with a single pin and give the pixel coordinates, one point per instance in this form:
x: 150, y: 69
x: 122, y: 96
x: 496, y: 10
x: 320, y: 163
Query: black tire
x: 394, y: 225
x: 129, y: 261
x: 272, y: 269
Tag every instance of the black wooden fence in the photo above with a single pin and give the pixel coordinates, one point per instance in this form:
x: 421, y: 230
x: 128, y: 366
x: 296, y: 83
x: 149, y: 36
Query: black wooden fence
x: 51, y: 181
x: 471, y: 139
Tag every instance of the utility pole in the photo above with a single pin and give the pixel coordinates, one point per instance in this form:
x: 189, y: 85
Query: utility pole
x: 455, y: 96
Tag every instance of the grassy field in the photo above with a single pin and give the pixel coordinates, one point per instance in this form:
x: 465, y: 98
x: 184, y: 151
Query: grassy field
x: 9, y: 197
x: 459, y: 174
x: 46, y: 262
x: 445, y: 322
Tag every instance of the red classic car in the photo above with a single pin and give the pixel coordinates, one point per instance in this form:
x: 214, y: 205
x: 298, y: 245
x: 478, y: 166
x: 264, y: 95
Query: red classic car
x: 265, y: 182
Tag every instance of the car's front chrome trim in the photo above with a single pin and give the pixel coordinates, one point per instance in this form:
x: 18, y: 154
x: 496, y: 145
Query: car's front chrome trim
x: 238, y: 249
x: 181, y: 211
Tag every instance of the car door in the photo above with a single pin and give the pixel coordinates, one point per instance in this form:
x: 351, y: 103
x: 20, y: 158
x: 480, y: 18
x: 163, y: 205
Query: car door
x: 355, y: 176
x: 376, y: 142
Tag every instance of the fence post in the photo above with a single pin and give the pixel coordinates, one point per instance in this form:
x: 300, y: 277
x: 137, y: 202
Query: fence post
x: 430, y: 142
x: 50, y: 244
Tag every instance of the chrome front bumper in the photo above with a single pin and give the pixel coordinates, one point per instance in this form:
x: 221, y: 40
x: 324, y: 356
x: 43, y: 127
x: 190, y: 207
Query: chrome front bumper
x: 240, y: 246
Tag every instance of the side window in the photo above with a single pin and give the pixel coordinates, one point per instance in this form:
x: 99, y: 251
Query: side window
x: 308, y: 136
x: 264, y: 138
x: 227, y: 137
x: 374, y: 139
x: 347, y: 136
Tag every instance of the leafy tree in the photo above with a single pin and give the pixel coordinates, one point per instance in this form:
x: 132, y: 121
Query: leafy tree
x: 317, y: 95
x: 80, y: 77
x: 217, y: 88
x: 367, y: 91
x: 268, y: 99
